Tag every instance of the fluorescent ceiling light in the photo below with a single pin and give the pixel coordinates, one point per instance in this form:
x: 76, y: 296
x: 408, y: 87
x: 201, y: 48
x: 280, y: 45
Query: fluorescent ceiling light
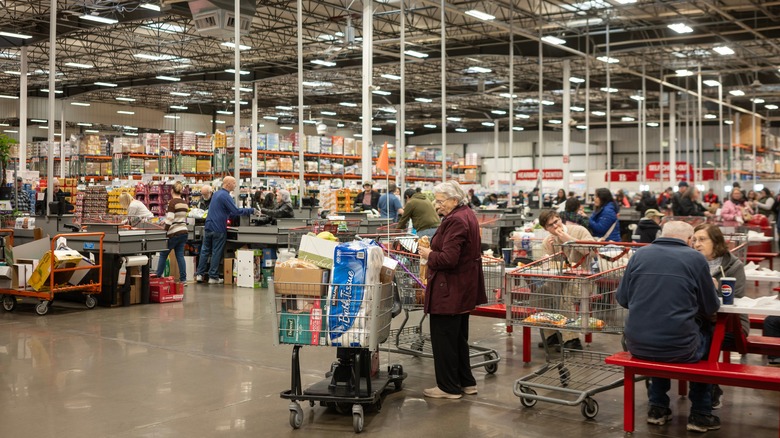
x: 684, y: 72
x: 757, y: 100
x: 555, y: 121
x: 131, y: 128
x: 711, y: 83
x: 223, y: 112
x: 271, y: 117
x: 11, y: 131
x: 324, y: 63
x: 200, y: 134
x: 548, y: 102
x: 480, y: 15
x: 317, y: 84
x: 409, y: 132
x: 393, y: 77
x: 522, y: 116
x: 15, y: 73
x: 241, y: 102
x: 349, y: 104
x: 168, y: 78
x: 461, y: 130
x: 4, y: 124
x: 388, y: 109
x: 233, y: 46
x: 506, y: 95
x: 728, y: 122
x: 582, y: 127
x: 91, y: 131
x: 653, y: 124
x: 84, y: 124
x: 39, y: 121
x: 20, y: 36
x: 637, y: 98
x: 598, y: 113
x: 626, y: 2
x: 106, y: 84
x: 327, y: 37
x: 125, y: 99
x: 288, y: 128
x: 477, y: 69
x: 609, y: 89
x: 150, y: 6
x: 723, y: 50
x: 165, y: 27
x: 392, y: 121
x: 46, y: 90
x: 498, y: 112
x: 284, y: 108
x: 576, y: 80
x: 737, y: 93
x: 680, y: 28
x: 130, y: 113
x: 179, y: 107
x: 429, y: 126
x: 770, y: 106
x: 627, y: 119
x: 608, y: 59
x: 339, y: 125
x: 358, y: 135
x: 169, y: 116
x: 584, y: 22
x: 43, y: 127
x: 240, y: 72
x: 310, y: 122
x: 416, y: 54
x: 381, y: 92
x: 518, y: 128
x: 454, y: 119
x: 488, y: 124
x: 181, y: 94
x: 553, y: 40
x: 219, y: 122
x: 169, y: 131
x: 5, y: 96
x: 578, y: 109
x: 423, y: 100
x: 132, y: 134
x: 242, y: 89
x: 80, y: 104
x: 710, y: 116
x: 376, y: 128
x: 79, y: 65
x: 99, y: 19
x: 328, y: 113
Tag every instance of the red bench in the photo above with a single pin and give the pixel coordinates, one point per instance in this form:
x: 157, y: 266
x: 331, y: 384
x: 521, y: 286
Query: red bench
x: 757, y: 321
x: 747, y: 376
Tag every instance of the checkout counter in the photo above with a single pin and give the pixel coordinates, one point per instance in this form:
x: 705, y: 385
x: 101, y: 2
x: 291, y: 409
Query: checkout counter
x: 499, y: 225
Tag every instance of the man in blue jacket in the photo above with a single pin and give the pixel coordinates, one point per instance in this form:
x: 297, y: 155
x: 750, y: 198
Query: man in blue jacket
x: 671, y: 308
x: 220, y: 209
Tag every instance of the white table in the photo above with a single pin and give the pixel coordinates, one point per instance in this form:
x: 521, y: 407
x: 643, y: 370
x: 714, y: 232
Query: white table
x: 768, y: 305
x: 763, y: 278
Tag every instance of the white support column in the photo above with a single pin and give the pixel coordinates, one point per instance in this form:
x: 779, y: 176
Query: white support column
x: 23, y: 112
x: 700, y: 161
x: 368, y: 72
x: 52, y: 84
x: 301, y: 165
x: 237, y: 97
x: 400, y: 155
x: 720, y: 130
x: 566, y: 123
x: 255, y: 130
x: 540, y: 138
x: 609, y: 121
x: 511, y: 144
x: 672, y: 138
x: 661, y: 131
x: 62, y: 141
x: 587, y: 124
x: 753, y: 139
x: 443, y: 92
x: 496, y: 170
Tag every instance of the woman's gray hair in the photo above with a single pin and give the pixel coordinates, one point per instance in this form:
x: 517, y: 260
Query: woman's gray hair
x: 451, y: 189
x: 284, y: 194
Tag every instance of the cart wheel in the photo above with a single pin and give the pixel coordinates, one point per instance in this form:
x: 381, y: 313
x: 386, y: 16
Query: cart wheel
x: 91, y: 301
x: 564, y: 375
x: 296, y: 417
x: 527, y: 402
x: 491, y: 368
x: 589, y: 408
x: 9, y: 302
x: 42, y: 308
x: 357, y: 418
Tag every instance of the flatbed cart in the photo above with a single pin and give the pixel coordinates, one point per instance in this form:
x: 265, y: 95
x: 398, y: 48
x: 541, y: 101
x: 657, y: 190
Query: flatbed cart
x: 410, y: 338
x: 558, y: 294
x: 45, y: 297
x: 315, y: 315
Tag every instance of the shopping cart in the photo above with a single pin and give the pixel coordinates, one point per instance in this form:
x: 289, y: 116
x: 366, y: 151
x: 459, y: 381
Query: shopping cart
x: 489, y: 230
x: 573, y: 290
x: 354, y: 318
x: 738, y: 245
x: 410, y: 338
x: 345, y: 230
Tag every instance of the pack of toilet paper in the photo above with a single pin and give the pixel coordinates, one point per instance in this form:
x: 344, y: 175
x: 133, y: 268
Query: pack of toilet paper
x: 355, y: 264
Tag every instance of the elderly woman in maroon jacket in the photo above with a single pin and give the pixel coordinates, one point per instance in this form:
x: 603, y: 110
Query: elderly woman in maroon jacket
x: 455, y: 286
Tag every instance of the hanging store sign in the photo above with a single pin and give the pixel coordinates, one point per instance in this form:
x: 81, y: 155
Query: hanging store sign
x: 622, y: 176
x: 655, y: 171
x: 533, y: 174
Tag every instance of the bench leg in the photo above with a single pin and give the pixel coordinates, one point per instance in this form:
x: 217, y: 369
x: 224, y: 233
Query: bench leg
x: 682, y: 388
x: 526, y: 344
x: 628, y: 400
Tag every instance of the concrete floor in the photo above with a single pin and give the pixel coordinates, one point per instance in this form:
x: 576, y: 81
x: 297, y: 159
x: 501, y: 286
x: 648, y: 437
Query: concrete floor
x: 206, y: 367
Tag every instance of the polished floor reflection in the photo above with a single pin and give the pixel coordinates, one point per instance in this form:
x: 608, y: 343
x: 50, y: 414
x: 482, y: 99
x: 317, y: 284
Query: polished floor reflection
x: 206, y: 367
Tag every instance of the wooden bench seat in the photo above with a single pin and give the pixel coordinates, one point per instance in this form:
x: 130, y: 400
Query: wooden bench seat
x: 748, y: 376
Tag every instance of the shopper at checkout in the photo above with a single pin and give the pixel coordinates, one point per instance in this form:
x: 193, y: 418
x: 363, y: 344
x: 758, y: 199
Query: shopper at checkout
x: 221, y: 208
x: 176, y: 231
x: 420, y: 211
x: 456, y: 285
x: 205, y: 197
x: 368, y: 199
x: 671, y: 309
x: 389, y: 204
x: 282, y: 209
x: 136, y: 210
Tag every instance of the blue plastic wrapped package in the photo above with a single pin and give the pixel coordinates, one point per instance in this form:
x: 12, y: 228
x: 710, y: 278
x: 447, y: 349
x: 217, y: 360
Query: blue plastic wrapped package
x: 355, y: 264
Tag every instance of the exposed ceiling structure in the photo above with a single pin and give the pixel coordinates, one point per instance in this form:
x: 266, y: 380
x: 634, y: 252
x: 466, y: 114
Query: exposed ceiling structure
x: 145, y: 44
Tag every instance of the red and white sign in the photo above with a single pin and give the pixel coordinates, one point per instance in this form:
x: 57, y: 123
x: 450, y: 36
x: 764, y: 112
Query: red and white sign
x: 533, y: 174
x: 622, y: 176
x: 655, y: 171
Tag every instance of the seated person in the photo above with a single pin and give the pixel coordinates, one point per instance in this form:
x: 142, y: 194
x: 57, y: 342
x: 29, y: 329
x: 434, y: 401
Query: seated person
x: 649, y: 227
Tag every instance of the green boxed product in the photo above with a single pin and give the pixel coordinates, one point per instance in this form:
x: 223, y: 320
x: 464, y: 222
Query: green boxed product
x: 294, y: 328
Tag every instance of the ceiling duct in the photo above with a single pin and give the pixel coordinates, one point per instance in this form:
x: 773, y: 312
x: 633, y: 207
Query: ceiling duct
x: 216, y: 18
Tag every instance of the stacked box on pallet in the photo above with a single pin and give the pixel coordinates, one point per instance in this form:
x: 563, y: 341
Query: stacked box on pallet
x: 338, y: 145
x: 205, y: 143
x: 350, y: 147
x: 95, y: 200
x: 151, y: 143
x: 188, y: 164
x: 90, y: 145
x: 326, y: 145
x: 272, y: 141
x: 313, y: 144
x: 261, y: 142
x: 203, y: 166
x: 166, y: 143
x: 186, y: 141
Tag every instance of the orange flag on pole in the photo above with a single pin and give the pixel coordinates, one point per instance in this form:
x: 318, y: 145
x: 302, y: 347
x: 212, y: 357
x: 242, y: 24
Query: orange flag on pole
x: 384, y: 160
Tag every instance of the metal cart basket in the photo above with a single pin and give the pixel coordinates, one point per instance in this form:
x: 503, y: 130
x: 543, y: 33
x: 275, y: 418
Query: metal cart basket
x: 344, y: 230
x: 410, y: 338
x: 573, y: 290
x: 354, y: 318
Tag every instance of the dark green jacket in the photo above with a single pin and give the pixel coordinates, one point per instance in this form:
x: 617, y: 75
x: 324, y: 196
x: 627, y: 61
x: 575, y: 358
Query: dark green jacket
x: 420, y: 210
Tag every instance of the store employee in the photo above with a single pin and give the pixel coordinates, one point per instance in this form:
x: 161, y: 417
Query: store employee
x: 368, y: 199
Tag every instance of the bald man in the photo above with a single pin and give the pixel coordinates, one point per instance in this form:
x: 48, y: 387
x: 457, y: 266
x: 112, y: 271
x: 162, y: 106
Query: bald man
x: 221, y: 209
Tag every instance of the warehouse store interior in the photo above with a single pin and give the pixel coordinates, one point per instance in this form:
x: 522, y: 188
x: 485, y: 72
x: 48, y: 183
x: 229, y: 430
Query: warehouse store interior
x: 116, y: 114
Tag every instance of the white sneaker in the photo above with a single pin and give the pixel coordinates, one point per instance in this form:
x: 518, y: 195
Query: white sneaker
x: 216, y: 281
x: 199, y: 278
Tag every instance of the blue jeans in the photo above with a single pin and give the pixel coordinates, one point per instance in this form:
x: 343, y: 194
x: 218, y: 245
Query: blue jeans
x: 175, y: 244
x: 700, y: 393
x: 214, y: 247
x: 429, y: 232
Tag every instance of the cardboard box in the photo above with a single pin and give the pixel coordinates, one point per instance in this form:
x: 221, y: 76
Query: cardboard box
x: 135, y: 290
x: 248, y: 267
x: 228, y: 270
x: 79, y: 275
x: 68, y: 258
x: 23, y: 269
x: 317, y: 251
x: 165, y: 290
x: 269, y: 257
x: 6, y: 277
x: 312, y: 282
